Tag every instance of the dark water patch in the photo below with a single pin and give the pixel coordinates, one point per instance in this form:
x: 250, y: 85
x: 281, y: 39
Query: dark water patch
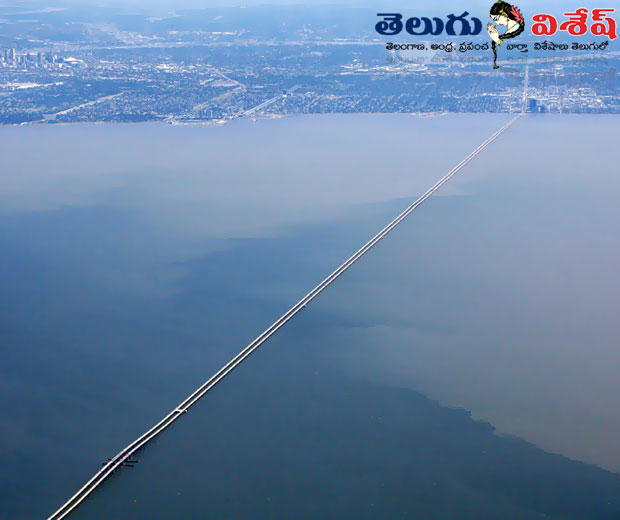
x: 288, y: 437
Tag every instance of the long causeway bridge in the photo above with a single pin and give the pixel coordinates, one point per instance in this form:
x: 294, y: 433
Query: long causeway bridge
x: 123, y: 456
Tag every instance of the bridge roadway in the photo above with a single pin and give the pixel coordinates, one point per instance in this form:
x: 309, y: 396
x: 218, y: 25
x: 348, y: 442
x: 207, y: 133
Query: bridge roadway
x: 129, y: 450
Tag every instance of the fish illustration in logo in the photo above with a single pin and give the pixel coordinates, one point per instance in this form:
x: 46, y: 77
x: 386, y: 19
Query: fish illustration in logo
x: 508, y: 15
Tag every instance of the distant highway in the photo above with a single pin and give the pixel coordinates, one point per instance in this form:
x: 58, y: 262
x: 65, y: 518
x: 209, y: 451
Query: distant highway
x: 128, y: 451
x: 52, y: 117
x: 270, y: 101
x: 526, y: 82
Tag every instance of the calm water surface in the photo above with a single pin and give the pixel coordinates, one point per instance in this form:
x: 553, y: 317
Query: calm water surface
x: 137, y: 259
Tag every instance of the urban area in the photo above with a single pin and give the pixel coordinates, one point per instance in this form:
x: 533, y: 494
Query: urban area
x: 199, y: 66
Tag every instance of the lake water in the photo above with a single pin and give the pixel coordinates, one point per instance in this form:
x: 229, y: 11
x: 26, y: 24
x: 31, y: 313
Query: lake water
x: 137, y: 259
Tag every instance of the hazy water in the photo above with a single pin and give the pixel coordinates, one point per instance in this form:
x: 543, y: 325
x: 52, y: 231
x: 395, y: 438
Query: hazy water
x: 137, y: 259
x: 506, y: 301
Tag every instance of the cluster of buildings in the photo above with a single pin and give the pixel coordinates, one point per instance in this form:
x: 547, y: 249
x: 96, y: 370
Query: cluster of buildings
x: 222, y: 82
x: 10, y: 58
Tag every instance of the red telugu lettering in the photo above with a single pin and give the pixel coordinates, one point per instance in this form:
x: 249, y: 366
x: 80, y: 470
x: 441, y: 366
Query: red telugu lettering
x: 546, y: 25
x: 608, y: 28
x: 576, y: 24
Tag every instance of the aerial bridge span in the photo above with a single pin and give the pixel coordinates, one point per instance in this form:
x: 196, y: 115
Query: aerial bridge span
x: 128, y: 451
